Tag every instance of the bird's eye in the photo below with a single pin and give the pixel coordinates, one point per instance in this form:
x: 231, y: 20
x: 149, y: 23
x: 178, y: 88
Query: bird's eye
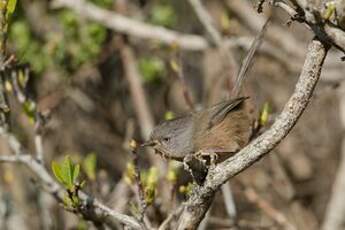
x: 166, y: 139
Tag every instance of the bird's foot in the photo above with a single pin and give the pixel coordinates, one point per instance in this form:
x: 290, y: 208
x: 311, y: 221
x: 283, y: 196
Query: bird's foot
x: 203, y: 155
x: 196, y: 167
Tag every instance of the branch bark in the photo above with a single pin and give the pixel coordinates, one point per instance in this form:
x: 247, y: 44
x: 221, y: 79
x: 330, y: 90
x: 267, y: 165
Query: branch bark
x: 201, y: 198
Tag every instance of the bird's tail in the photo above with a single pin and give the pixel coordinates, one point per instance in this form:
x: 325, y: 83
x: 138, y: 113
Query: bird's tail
x: 248, y: 60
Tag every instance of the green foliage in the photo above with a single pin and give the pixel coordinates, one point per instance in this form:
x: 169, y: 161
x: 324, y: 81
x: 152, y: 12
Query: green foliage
x: 163, y: 14
x: 66, y: 172
x: 29, y: 108
x: 173, y: 171
x: 169, y: 115
x: 264, y: 114
x: 186, y: 189
x: 89, y: 166
x: 74, y: 43
x: 151, y: 68
x: 329, y: 11
x: 129, y: 174
x: 11, y: 6
x: 28, y: 49
x: 149, y: 180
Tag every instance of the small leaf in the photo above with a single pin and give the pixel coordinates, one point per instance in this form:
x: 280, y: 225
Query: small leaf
x: 175, y: 67
x: 57, y: 172
x: 129, y: 173
x: 225, y: 21
x: 151, y: 68
x: 75, y: 201
x: 186, y: 189
x: 66, y: 170
x: 152, y: 177
x: 67, y: 201
x: 23, y: 79
x: 29, y: 108
x: 169, y: 115
x: 76, y: 171
x: 8, y: 86
x: 172, y: 173
x: 264, y: 115
x: 82, y: 184
x: 150, y: 180
x: 11, y: 6
x: 330, y: 11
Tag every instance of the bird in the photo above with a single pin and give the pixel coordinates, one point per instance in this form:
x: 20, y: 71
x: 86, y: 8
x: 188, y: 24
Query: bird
x: 211, y: 135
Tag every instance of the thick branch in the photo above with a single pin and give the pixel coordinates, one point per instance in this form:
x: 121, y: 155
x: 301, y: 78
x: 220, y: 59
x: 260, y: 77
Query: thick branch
x: 199, y: 202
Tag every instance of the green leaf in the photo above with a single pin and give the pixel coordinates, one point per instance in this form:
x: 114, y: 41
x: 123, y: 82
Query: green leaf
x: 89, y: 166
x: 57, y: 172
x: 76, y: 171
x: 11, y: 6
x: 163, y: 15
x: 69, y: 172
x: 169, y: 115
x: 67, y: 201
x: 264, y: 114
x: 29, y: 108
x: 152, y: 69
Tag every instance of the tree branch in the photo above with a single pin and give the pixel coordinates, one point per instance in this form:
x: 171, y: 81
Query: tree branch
x: 324, y: 30
x: 201, y: 198
x: 95, y: 210
x: 132, y: 27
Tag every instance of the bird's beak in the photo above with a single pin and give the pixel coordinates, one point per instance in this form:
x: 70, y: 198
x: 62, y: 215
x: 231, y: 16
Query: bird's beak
x: 149, y: 143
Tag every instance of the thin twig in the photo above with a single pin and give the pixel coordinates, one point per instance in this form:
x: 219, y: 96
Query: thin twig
x: 178, y: 69
x: 272, y: 212
x: 140, y: 188
x: 277, y: 35
x: 132, y: 27
x: 206, y: 20
x: 98, y: 209
x: 173, y: 215
x: 229, y: 201
x: 138, y: 96
x: 325, y: 31
x: 94, y: 211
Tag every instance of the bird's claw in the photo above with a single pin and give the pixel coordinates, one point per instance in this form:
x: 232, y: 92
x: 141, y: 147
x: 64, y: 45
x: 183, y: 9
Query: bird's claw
x: 201, y: 155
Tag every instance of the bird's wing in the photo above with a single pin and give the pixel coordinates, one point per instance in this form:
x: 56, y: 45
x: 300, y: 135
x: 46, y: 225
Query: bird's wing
x: 220, y: 111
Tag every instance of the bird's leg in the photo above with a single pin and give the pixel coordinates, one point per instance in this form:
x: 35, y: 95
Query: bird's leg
x: 196, y: 167
x: 201, y: 155
x: 188, y: 158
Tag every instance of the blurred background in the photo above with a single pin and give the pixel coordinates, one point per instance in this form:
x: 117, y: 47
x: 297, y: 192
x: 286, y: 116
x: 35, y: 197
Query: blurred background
x: 99, y: 87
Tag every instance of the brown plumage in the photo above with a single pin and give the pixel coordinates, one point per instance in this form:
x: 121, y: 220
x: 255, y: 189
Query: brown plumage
x: 219, y: 123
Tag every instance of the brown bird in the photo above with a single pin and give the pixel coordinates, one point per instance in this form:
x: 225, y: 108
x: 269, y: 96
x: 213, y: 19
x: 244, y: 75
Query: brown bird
x: 210, y: 135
